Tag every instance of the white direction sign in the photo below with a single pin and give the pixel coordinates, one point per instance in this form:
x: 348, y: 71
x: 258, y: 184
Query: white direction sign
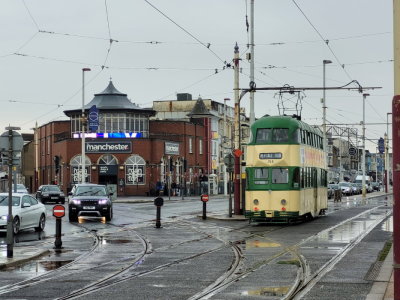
x: 17, y: 141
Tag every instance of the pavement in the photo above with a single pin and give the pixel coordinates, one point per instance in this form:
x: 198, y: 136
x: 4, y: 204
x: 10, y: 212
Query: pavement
x: 382, y: 289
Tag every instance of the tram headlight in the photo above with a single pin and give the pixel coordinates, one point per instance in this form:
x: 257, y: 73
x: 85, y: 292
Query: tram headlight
x: 256, y: 202
x: 283, y: 202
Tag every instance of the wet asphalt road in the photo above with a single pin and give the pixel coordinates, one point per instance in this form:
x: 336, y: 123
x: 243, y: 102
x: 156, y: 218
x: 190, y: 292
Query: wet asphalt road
x: 191, y: 258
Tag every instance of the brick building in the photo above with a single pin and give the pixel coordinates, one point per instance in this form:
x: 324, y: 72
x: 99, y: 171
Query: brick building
x: 127, y: 151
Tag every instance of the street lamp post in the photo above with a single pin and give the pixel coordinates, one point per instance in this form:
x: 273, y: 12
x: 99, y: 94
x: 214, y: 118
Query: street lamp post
x: 363, y: 145
x: 224, y: 138
x: 324, y: 63
x: 387, y: 158
x: 83, y: 121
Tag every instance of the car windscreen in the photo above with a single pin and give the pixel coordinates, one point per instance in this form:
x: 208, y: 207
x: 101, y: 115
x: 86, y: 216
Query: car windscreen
x: 344, y: 184
x: 51, y: 189
x: 4, y: 200
x: 90, y: 191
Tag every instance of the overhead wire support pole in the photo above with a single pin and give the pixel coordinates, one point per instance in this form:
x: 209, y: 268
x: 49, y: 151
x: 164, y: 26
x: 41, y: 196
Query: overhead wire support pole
x: 252, y: 113
x: 396, y: 148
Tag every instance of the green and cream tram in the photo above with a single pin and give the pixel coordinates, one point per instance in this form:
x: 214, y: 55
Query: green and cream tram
x: 285, y: 170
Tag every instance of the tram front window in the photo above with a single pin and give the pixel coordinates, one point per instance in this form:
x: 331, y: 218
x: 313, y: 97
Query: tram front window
x: 280, y: 175
x: 280, y: 135
x: 261, y: 176
x: 263, y: 135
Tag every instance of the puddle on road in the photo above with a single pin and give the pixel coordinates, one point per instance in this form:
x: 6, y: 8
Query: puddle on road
x: 38, y: 267
x: 388, y: 225
x: 259, y: 244
x: 267, y: 291
x: 104, y: 241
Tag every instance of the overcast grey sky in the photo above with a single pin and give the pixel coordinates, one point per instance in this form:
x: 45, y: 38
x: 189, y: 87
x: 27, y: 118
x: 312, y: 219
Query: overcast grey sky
x: 159, y: 48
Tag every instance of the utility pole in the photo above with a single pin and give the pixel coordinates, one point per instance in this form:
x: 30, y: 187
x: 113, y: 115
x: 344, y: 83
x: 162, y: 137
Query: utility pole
x: 252, y: 114
x: 396, y: 148
x: 236, y: 60
x: 83, y: 122
x: 363, y: 145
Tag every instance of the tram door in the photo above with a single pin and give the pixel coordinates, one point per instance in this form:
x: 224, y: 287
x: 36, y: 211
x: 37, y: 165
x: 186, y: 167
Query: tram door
x: 315, y: 189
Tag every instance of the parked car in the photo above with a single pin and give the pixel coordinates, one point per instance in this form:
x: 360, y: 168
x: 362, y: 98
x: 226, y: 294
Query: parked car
x: 27, y: 212
x: 20, y: 188
x: 91, y: 200
x: 50, y: 193
x: 346, y: 188
x: 376, y: 186
x: 356, y: 188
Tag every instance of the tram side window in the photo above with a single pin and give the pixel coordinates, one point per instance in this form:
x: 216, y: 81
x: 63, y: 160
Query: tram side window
x: 280, y: 135
x: 302, y: 178
x: 296, y: 138
x: 280, y: 175
x: 303, y: 137
x: 261, y: 175
x: 296, y: 177
x: 263, y: 135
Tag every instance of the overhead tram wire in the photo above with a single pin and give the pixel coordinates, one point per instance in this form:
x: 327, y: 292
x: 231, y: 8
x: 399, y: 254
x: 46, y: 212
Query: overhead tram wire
x: 323, y: 39
x: 32, y: 18
x: 187, y: 32
x: 193, y: 84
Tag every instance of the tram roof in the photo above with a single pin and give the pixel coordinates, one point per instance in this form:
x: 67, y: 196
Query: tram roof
x: 284, y: 122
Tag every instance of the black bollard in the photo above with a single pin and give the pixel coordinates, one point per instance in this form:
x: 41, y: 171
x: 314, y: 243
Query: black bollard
x: 204, y: 210
x: 204, y: 199
x: 158, y: 202
x: 58, y: 242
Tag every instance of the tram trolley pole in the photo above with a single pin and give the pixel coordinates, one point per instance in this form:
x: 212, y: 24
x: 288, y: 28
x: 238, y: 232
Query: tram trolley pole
x: 158, y: 202
x: 204, y: 199
x: 58, y: 213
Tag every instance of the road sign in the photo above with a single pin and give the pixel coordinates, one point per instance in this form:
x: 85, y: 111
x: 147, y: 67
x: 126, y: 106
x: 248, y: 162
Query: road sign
x: 352, y: 151
x: 58, y: 211
x: 17, y: 144
x: 381, y: 145
x: 237, y: 152
x: 93, y: 118
x: 204, y: 198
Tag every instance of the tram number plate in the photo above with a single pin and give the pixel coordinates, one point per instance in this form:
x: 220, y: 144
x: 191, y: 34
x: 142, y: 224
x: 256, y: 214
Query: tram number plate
x: 276, y: 155
x: 89, y: 207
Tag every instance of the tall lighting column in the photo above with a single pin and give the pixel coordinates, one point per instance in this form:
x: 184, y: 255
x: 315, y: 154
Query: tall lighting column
x: 83, y: 121
x: 387, y: 157
x: 324, y: 63
x: 363, y: 147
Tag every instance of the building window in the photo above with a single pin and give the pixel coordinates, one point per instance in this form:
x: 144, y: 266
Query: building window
x: 117, y: 122
x: 190, y: 145
x: 200, y: 146
x: 135, y: 167
x: 76, y: 167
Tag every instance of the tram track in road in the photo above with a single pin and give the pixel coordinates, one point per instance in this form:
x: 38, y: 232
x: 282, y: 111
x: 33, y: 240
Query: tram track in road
x: 304, y: 279
x: 124, y: 275
x: 68, y: 269
x: 305, y: 283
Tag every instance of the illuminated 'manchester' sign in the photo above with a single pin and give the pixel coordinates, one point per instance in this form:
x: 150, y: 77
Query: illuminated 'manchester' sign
x: 108, y: 147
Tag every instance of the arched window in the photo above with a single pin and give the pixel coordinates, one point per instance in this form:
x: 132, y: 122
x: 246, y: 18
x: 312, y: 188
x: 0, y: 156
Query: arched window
x: 108, y: 159
x: 76, y: 165
x: 135, y: 170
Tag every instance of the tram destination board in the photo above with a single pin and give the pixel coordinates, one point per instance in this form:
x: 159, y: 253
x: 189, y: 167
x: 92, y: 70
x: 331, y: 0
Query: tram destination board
x: 276, y: 155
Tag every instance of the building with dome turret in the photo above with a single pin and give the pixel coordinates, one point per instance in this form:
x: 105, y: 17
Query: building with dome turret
x: 124, y: 149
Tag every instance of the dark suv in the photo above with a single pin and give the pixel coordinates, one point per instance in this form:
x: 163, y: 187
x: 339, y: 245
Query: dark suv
x: 50, y: 193
x: 91, y: 200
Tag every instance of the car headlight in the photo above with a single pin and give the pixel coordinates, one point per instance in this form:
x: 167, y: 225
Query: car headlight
x: 3, y: 217
x: 76, y: 201
x: 62, y: 195
x: 45, y: 194
x: 103, y: 201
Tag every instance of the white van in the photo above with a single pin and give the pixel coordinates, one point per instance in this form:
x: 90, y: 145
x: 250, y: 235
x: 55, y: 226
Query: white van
x: 368, y: 186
